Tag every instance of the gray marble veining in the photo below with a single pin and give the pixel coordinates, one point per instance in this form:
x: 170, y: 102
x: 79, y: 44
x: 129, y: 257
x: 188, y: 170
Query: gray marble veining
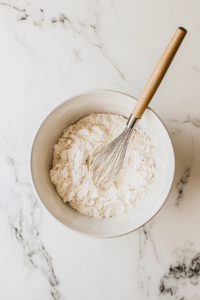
x: 50, y: 51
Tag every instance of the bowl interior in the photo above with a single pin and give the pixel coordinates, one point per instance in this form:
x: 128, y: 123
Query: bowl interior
x: 42, y: 153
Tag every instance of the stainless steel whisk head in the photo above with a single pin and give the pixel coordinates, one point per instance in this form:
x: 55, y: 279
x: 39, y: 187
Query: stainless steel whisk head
x: 106, y: 164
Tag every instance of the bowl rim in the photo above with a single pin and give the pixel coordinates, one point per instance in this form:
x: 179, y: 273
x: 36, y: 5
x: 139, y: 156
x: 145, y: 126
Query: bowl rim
x: 30, y: 163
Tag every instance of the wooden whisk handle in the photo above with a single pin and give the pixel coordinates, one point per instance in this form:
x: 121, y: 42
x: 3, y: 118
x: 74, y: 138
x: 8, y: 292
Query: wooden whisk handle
x: 158, y: 73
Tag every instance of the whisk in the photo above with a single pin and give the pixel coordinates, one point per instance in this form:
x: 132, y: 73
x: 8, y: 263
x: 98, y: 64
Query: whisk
x: 106, y: 164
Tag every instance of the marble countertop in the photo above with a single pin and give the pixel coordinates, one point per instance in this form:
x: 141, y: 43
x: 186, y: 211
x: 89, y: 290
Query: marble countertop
x: 51, y: 50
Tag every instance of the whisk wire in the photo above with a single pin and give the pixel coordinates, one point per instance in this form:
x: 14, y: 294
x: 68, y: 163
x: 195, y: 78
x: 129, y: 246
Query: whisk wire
x: 107, y: 162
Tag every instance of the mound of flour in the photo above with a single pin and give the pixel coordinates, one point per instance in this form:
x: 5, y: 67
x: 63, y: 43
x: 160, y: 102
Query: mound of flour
x: 70, y: 170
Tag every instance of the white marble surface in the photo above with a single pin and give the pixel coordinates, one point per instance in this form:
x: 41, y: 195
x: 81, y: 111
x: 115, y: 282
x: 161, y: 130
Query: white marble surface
x: 49, y: 51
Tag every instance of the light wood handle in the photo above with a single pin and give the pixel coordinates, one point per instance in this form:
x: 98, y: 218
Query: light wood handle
x: 159, y: 72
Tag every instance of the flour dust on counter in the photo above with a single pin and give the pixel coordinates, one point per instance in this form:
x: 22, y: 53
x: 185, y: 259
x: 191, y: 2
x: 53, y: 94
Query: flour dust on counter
x: 73, y: 181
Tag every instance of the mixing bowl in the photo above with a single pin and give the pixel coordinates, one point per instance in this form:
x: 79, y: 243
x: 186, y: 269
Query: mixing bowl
x: 41, y: 155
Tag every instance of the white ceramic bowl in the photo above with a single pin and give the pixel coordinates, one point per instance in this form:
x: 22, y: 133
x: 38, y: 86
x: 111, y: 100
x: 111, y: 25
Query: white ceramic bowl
x: 52, y: 128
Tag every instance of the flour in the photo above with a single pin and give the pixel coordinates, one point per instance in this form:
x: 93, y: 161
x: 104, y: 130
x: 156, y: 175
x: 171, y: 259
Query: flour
x: 70, y: 170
